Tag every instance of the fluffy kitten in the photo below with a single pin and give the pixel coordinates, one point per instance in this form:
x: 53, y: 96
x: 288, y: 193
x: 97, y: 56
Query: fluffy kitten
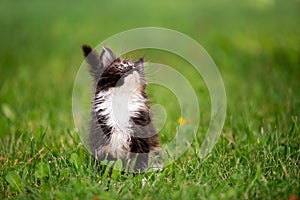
x: 121, y: 125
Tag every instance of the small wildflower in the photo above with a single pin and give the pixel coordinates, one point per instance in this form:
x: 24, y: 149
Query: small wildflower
x: 181, y: 120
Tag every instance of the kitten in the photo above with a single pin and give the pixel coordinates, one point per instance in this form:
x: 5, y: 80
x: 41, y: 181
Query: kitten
x: 121, y: 125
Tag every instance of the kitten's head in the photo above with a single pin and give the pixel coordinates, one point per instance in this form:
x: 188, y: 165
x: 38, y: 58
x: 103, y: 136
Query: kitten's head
x: 110, y: 71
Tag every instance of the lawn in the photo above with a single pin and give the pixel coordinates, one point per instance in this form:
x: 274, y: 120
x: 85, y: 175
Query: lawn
x: 256, y: 46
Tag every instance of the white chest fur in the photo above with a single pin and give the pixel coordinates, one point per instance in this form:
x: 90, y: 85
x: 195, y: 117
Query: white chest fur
x: 119, y: 104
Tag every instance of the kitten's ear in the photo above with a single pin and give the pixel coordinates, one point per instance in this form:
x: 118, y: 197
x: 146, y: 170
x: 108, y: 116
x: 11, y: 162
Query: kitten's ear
x: 106, y: 57
x: 92, y: 57
x: 139, y: 65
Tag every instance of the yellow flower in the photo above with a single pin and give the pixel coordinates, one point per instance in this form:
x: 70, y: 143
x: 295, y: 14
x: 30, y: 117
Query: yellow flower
x: 181, y: 120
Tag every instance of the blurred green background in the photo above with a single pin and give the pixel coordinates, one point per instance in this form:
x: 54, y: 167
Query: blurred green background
x: 255, y: 44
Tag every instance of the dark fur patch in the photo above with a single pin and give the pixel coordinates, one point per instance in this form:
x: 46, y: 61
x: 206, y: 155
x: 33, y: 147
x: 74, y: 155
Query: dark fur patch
x: 86, y: 50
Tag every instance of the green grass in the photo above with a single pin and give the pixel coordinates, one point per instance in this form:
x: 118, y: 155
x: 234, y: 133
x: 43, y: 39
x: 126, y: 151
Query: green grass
x: 256, y: 46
